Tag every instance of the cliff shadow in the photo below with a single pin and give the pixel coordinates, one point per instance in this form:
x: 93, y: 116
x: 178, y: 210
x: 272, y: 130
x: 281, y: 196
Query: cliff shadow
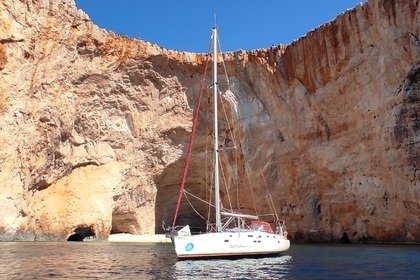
x: 192, y: 209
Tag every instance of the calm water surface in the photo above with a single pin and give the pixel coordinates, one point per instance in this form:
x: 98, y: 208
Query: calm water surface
x: 103, y: 260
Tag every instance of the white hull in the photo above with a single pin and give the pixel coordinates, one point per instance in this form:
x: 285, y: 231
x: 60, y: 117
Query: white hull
x: 230, y: 244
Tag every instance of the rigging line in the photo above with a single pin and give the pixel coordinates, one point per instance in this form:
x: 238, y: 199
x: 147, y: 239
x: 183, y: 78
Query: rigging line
x: 228, y: 82
x: 228, y: 87
x: 223, y: 63
x: 195, y: 210
x: 237, y: 185
x: 226, y: 187
x: 190, y: 144
x: 198, y: 198
x: 252, y: 192
x: 274, y: 207
x: 235, y: 178
x: 210, y: 195
x: 232, y: 135
x: 269, y: 198
x: 208, y: 175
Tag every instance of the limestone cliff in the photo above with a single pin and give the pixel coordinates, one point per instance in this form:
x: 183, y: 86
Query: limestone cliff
x: 94, y: 126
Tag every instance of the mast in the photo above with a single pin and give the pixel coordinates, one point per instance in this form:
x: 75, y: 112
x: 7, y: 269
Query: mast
x: 216, y: 134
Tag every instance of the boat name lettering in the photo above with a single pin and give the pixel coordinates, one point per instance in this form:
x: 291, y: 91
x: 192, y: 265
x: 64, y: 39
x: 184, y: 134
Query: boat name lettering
x: 239, y: 246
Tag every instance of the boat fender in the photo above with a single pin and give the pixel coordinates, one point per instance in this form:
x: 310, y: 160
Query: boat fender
x: 285, y: 234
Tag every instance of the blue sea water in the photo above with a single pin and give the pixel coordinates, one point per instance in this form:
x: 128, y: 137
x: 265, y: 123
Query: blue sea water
x: 105, y: 260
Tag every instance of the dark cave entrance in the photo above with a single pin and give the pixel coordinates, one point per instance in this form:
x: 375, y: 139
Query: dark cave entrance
x: 80, y: 233
x: 345, y: 239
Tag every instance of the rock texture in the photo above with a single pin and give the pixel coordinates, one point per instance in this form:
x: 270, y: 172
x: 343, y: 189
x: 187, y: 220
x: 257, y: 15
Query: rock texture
x: 94, y: 127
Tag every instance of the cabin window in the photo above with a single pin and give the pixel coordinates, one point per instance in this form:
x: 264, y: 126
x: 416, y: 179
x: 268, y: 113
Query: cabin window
x: 226, y: 240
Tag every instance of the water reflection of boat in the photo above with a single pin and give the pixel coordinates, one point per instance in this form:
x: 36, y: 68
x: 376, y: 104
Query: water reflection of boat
x: 246, y: 268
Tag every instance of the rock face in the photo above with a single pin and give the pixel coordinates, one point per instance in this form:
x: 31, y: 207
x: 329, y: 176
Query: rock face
x: 94, y: 127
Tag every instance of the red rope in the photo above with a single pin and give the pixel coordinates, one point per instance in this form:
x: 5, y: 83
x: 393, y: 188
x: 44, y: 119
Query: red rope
x: 190, y: 144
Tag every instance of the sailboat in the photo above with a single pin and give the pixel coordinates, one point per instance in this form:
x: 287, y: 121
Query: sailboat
x: 240, y: 235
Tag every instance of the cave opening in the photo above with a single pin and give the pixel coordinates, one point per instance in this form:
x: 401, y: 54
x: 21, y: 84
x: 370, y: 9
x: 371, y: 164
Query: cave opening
x: 80, y: 233
x: 345, y: 239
